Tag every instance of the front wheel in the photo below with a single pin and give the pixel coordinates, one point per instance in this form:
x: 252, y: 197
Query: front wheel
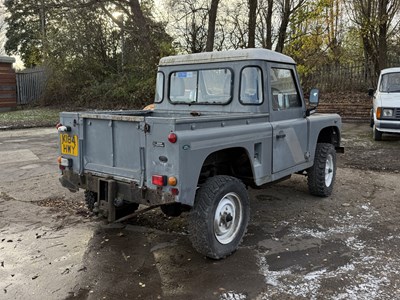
x: 376, y: 134
x: 219, y: 217
x: 321, y: 175
x: 371, y: 119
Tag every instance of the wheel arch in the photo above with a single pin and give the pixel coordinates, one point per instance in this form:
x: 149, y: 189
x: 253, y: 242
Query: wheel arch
x: 330, y: 135
x: 233, y: 161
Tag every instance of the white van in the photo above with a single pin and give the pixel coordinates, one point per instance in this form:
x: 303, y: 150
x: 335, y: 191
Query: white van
x: 385, y: 114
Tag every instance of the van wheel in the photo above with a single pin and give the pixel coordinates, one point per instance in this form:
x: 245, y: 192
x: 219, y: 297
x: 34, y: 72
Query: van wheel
x: 219, y: 217
x: 376, y: 134
x: 321, y: 175
x: 371, y: 119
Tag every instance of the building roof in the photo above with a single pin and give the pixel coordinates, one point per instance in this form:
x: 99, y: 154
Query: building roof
x: 230, y: 55
x: 7, y: 59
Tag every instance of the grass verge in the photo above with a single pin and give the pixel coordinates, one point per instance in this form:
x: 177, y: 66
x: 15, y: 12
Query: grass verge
x: 29, y: 117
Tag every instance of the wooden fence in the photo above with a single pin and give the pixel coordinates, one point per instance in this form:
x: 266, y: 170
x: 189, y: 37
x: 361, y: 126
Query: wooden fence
x: 7, y: 83
x: 30, y: 85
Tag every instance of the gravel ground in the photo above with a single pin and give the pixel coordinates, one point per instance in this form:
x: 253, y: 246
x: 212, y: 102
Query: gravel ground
x: 297, y: 247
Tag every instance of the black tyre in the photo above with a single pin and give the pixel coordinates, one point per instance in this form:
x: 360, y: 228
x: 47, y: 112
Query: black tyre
x: 371, y: 119
x: 377, y: 135
x: 321, y: 176
x: 126, y: 209
x: 172, y: 209
x: 219, y: 217
x: 90, y: 199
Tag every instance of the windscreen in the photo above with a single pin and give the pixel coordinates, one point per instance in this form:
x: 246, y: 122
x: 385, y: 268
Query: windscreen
x: 390, y: 83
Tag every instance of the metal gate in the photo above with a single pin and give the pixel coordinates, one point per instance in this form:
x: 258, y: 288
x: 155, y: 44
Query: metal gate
x: 30, y: 85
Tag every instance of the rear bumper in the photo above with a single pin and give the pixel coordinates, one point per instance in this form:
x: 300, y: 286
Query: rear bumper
x: 129, y: 191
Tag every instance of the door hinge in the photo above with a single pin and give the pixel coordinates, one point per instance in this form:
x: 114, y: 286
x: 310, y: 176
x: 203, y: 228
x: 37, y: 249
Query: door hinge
x: 144, y: 127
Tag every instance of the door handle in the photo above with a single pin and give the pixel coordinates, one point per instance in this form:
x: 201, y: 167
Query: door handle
x: 281, y: 135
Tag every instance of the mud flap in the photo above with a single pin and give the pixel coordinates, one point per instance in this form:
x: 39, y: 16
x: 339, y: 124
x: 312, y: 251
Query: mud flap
x: 68, y: 184
x: 106, y: 194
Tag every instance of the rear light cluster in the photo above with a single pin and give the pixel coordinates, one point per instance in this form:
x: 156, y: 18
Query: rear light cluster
x: 159, y: 180
x: 163, y: 180
x: 64, y: 162
x: 61, y: 128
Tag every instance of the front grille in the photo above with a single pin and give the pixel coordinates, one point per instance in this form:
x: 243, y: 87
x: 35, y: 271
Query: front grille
x: 397, y: 113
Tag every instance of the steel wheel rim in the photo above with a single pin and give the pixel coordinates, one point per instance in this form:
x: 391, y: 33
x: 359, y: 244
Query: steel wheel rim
x: 228, y: 218
x: 329, y: 170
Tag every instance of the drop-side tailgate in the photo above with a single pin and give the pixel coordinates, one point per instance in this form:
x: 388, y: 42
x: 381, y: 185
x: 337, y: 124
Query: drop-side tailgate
x: 114, y: 145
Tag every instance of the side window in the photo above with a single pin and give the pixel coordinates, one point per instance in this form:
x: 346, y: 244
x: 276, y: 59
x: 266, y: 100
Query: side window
x: 283, y: 88
x: 251, y: 86
x: 159, y: 88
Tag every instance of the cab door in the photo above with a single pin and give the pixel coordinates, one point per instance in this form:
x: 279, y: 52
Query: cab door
x: 289, y: 125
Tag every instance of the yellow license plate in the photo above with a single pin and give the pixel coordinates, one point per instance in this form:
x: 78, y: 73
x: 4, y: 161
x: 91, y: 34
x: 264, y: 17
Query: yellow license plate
x: 69, y: 144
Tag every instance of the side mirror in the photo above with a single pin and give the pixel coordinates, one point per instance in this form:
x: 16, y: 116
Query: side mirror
x: 314, y: 97
x: 371, y: 92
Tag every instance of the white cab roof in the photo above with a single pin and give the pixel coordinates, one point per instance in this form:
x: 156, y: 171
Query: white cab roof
x: 390, y: 70
x: 223, y: 56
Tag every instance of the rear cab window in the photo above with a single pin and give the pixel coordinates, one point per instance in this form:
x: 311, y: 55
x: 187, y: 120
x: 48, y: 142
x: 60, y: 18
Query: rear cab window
x: 209, y: 86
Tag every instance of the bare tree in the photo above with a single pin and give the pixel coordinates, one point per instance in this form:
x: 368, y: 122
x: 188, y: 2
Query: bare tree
x: 237, y: 25
x: 334, y: 15
x: 375, y: 20
x: 189, y: 24
x: 288, y: 7
x: 264, y: 26
x: 212, y: 17
x: 252, y: 23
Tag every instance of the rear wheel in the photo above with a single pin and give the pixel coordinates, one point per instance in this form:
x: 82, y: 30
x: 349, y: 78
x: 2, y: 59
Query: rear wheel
x: 219, y: 217
x: 90, y: 199
x: 321, y: 175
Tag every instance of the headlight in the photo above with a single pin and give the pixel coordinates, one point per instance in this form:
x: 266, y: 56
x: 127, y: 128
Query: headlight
x: 387, y: 112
